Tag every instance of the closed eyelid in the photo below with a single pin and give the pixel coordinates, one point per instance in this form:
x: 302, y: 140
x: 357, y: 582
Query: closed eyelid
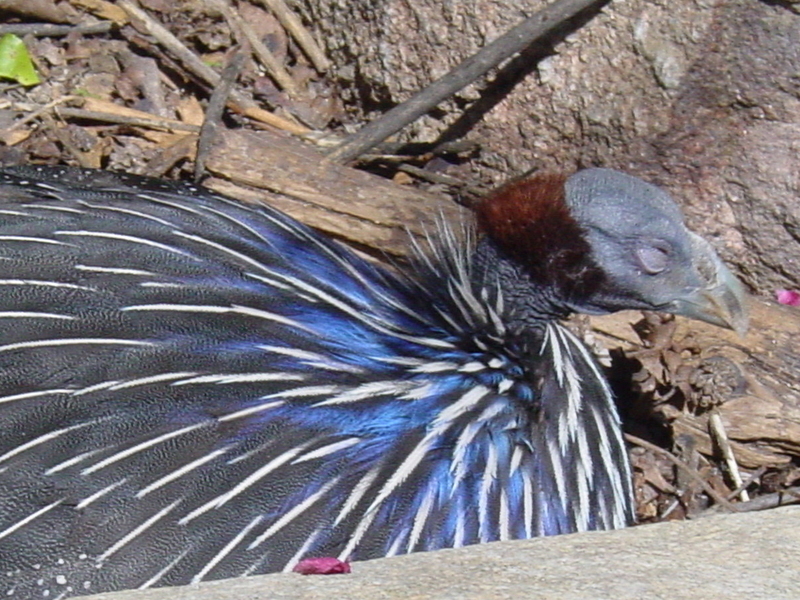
x: 652, y: 259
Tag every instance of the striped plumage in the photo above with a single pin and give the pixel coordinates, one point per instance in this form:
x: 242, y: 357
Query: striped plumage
x: 192, y: 388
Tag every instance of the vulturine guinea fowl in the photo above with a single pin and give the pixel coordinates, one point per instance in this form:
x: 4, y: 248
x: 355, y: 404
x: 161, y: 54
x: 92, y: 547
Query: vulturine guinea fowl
x: 192, y: 388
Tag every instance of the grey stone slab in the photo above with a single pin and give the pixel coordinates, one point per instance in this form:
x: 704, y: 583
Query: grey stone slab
x: 753, y: 556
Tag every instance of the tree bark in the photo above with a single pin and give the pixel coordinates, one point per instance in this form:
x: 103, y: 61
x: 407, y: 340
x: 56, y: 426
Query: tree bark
x: 366, y: 211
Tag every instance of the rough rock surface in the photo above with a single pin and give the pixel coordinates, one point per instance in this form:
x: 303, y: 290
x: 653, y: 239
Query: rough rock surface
x: 608, y: 78
x: 700, y: 96
x: 748, y: 556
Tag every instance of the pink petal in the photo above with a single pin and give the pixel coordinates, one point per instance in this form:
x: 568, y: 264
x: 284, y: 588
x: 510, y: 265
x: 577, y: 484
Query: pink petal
x: 790, y: 297
x: 325, y: 565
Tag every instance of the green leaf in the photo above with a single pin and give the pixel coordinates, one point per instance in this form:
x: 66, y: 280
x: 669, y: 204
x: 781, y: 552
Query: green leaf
x: 15, y: 62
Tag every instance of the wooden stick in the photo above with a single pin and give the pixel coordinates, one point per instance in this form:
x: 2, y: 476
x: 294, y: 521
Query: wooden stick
x: 774, y: 500
x: 721, y: 437
x: 301, y: 35
x: 53, y: 30
x: 216, y: 106
x: 273, y: 67
x: 513, y: 41
x: 151, y: 122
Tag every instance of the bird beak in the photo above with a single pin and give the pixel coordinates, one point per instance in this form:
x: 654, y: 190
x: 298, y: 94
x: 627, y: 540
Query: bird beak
x: 720, y: 299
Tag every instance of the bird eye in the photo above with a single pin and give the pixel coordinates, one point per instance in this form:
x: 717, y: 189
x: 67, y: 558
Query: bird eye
x: 652, y: 259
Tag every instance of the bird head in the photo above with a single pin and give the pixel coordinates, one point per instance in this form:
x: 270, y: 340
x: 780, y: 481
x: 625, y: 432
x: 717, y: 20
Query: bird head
x: 603, y: 241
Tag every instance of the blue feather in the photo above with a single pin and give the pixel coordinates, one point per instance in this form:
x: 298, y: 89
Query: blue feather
x: 228, y: 392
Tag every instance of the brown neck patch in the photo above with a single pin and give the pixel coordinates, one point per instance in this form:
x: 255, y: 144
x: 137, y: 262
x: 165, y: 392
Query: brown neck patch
x: 530, y: 222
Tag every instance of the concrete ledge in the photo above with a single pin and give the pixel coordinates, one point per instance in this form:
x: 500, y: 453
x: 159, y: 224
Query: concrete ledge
x: 752, y: 556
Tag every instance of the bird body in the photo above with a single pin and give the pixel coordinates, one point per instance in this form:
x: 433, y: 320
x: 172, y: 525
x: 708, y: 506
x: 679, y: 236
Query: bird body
x: 192, y: 388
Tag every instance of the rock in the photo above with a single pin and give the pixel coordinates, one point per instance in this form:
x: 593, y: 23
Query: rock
x: 750, y: 556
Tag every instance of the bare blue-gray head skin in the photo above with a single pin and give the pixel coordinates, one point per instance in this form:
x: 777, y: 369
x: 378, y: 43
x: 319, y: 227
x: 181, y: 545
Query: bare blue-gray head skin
x: 648, y: 257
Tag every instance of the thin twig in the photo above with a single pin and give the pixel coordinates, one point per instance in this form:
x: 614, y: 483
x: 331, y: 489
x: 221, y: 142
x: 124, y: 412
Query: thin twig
x: 149, y: 26
x: 746, y: 483
x: 670, y: 509
x: 216, y: 106
x: 685, y: 449
x: 40, y: 111
x: 515, y: 40
x: 721, y: 438
x: 53, y: 30
x: 417, y: 148
x: 105, y: 117
x: 271, y: 64
x: 718, y: 498
x: 301, y: 35
x: 440, y: 178
x: 782, y: 498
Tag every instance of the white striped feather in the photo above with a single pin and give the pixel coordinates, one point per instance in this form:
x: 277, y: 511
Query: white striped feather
x: 473, y: 419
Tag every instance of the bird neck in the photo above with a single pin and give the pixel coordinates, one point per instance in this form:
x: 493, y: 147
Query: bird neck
x: 529, y: 304
x: 533, y: 241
